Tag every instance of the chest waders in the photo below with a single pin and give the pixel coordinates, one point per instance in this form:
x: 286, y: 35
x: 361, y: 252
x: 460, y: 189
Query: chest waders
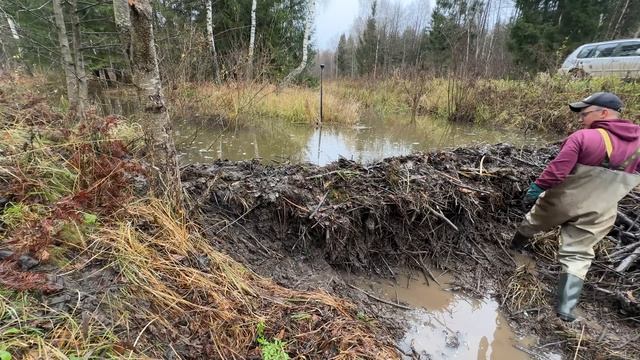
x: 585, y: 206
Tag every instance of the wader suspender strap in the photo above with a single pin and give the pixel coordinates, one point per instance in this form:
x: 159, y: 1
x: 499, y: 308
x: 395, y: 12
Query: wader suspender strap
x: 609, y: 148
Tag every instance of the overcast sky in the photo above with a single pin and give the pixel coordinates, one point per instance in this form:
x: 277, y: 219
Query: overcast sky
x: 334, y: 17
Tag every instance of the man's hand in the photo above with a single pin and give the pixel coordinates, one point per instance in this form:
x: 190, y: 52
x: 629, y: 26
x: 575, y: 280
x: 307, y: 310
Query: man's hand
x: 533, y: 193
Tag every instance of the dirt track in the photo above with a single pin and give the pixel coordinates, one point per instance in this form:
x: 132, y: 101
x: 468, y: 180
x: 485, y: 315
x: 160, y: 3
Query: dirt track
x: 452, y: 210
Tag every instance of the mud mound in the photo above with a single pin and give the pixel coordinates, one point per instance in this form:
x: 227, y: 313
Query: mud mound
x: 400, y: 209
x: 451, y: 209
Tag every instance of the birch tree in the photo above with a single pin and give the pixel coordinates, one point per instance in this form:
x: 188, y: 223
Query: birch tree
x: 80, y: 74
x: 123, y: 25
x: 65, y: 51
x: 159, y: 149
x: 624, y: 10
x: 311, y: 6
x: 212, y: 42
x: 252, y: 39
x: 7, y: 37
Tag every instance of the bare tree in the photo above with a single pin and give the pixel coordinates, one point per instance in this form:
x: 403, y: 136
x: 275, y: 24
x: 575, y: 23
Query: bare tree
x: 159, y: 149
x: 80, y: 74
x: 252, y: 40
x: 311, y: 6
x: 624, y: 10
x: 123, y: 24
x: 415, y: 84
x: 7, y: 38
x: 67, y: 61
x: 214, y: 54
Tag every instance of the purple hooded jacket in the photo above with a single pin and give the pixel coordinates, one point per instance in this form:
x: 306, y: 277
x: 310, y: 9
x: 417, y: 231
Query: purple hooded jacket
x: 587, y: 147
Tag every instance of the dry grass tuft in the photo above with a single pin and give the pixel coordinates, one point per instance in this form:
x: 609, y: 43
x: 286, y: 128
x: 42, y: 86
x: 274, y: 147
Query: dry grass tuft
x: 524, y: 291
x: 191, y: 291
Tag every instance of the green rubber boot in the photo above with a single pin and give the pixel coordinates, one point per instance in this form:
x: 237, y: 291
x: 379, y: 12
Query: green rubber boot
x: 519, y: 242
x: 569, y: 290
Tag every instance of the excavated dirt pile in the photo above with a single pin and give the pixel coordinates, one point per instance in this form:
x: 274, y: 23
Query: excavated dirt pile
x: 452, y: 210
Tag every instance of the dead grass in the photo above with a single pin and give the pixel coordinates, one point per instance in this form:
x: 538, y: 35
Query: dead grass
x: 181, y: 277
x: 524, y: 291
x: 140, y: 281
x: 238, y: 103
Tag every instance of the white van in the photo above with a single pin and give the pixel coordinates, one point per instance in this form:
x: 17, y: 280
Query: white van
x: 618, y: 57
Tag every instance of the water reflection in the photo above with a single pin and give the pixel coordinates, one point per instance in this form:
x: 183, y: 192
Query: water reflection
x: 374, y: 138
x: 446, y: 325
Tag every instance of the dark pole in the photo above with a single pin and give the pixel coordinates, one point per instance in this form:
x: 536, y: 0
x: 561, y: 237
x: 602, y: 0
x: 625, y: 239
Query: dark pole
x: 321, y: 73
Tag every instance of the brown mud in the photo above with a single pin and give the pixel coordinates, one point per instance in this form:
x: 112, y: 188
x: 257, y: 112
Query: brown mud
x: 304, y: 225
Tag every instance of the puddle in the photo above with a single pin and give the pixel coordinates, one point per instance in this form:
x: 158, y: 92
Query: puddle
x: 447, y: 325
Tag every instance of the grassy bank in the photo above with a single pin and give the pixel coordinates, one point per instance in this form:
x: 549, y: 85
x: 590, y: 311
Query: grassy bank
x: 537, y: 104
x: 91, y: 267
x: 237, y: 103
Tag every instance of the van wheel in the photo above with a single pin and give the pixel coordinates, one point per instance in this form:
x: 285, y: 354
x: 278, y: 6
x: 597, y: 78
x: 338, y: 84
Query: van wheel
x: 578, y: 73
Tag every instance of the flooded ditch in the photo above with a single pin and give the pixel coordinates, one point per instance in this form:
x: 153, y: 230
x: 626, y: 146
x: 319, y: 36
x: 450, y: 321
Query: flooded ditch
x: 447, y: 324
x: 374, y: 138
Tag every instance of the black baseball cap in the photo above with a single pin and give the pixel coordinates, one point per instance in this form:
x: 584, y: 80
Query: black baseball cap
x: 602, y: 99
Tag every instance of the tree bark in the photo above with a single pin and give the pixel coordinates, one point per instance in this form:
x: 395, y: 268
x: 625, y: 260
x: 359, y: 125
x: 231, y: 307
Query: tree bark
x: 214, y: 54
x: 67, y: 60
x: 81, y: 76
x: 311, y: 6
x: 252, y: 40
x: 624, y: 10
x: 123, y: 24
x: 159, y: 149
x: 4, y: 56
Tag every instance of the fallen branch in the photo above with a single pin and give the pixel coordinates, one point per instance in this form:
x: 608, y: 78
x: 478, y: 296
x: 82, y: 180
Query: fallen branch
x: 626, y: 263
x: 624, y: 250
x: 627, y: 221
x: 442, y: 217
x: 379, y: 299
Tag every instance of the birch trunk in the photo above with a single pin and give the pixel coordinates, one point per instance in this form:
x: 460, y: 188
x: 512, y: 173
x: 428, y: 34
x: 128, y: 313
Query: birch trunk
x: 123, y: 24
x: 159, y: 149
x: 311, y: 6
x: 81, y: 76
x: 4, y: 56
x: 214, y: 54
x: 14, y: 41
x: 252, y: 40
x: 624, y: 10
x: 375, y: 58
x: 67, y: 60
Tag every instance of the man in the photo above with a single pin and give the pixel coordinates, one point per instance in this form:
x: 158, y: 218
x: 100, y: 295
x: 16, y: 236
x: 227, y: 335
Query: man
x: 580, y: 190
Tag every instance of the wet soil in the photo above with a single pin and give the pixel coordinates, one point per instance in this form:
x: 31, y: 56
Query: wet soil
x: 305, y: 226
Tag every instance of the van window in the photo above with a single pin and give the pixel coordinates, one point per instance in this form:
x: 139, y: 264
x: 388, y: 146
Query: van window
x: 587, y: 52
x: 630, y: 48
x: 605, y: 50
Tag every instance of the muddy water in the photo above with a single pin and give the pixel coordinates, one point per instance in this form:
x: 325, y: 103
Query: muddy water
x: 372, y: 139
x: 446, y: 325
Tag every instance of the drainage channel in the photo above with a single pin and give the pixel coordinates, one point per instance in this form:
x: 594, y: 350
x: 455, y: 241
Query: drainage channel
x: 448, y: 325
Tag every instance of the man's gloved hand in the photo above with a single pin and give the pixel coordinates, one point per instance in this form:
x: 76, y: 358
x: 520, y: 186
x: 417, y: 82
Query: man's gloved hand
x: 533, y: 193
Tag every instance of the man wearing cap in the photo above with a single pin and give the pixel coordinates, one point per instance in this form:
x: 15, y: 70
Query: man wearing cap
x: 580, y: 190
